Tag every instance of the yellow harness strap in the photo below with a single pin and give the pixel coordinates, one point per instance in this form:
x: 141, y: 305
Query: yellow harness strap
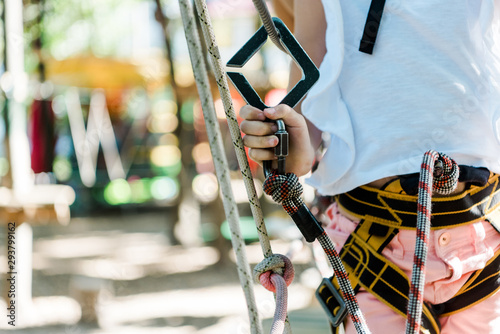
x: 368, y: 269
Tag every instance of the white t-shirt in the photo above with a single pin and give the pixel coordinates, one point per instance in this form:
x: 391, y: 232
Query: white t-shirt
x: 432, y: 82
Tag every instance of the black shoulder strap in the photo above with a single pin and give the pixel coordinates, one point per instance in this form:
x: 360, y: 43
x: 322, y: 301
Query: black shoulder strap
x: 371, y: 26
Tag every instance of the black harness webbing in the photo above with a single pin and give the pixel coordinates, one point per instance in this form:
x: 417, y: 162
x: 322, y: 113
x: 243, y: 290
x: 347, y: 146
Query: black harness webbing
x: 369, y: 270
x: 371, y: 26
x: 400, y: 210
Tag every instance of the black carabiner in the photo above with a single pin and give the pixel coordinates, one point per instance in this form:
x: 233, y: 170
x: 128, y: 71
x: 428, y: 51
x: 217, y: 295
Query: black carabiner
x: 309, y: 77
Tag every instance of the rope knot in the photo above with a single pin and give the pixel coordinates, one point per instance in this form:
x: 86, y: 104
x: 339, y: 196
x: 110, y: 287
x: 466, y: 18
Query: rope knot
x: 277, y: 264
x: 446, y: 172
x: 283, y: 188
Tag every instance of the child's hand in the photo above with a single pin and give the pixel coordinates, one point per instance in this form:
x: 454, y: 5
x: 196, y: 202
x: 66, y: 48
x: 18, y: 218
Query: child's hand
x: 259, y: 136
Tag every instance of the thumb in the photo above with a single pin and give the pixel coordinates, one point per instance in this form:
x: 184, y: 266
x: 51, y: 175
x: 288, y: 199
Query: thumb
x: 287, y: 114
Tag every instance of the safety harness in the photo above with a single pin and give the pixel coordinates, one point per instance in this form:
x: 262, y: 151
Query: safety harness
x: 382, y: 214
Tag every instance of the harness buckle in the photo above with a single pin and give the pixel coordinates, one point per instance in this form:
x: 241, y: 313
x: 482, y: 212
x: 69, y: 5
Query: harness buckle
x: 332, y: 302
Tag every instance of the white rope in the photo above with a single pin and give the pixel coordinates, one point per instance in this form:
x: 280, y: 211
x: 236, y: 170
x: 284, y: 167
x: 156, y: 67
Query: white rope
x: 220, y: 78
x: 220, y: 162
x: 222, y: 84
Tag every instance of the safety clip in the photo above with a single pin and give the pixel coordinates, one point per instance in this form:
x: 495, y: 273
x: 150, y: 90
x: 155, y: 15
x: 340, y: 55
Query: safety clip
x: 310, y: 74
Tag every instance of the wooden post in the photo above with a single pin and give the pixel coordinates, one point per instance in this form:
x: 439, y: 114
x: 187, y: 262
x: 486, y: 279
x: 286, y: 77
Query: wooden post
x: 22, y: 180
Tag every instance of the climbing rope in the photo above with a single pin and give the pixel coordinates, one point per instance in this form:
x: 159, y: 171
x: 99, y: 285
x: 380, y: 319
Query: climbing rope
x: 268, y: 23
x: 234, y: 130
x: 439, y: 174
x: 222, y: 84
x: 286, y: 190
x: 293, y: 202
x: 275, y: 273
x: 220, y: 161
x: 345, y: 285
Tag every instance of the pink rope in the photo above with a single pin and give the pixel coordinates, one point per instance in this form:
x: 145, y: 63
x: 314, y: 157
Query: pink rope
x: 276, y: 273
x: 280, y: 312
x: 266, y: 278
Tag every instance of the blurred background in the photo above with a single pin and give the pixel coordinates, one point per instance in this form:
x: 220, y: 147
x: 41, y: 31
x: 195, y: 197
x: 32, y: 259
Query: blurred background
x: 106, y: 172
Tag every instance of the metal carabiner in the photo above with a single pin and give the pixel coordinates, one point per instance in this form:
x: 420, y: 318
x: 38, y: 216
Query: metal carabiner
x: 280, y: 150
x: 309, y: 78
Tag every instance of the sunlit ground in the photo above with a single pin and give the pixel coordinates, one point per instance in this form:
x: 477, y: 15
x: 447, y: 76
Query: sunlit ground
x: 144, y: 284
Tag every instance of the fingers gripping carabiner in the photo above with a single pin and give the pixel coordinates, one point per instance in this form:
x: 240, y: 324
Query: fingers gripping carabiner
x: 309, y: 78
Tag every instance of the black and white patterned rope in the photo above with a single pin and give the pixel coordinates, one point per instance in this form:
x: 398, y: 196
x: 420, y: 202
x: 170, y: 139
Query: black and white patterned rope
x: 439, y: 174
x: 345, y: 285
x: 286, y: 190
